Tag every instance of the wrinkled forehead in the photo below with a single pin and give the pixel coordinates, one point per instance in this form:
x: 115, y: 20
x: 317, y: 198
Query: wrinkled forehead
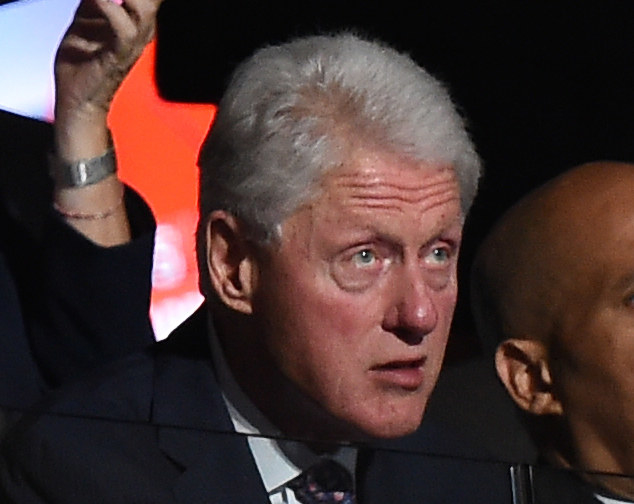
x: 386, y: 196
x: 390, y: 179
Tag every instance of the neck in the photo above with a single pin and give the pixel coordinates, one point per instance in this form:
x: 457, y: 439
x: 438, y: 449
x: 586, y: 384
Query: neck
x: 616, y: 485
x: 285, y: 406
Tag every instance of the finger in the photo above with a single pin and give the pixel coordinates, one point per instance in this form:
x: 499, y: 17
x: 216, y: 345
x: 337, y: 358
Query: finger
x: 85, y: 37
x: 131, y: 20
x: 92, y: 29
x: 97, y: 23
x: 89, y: 9
x: 124, y: 26
x: 143, y: 12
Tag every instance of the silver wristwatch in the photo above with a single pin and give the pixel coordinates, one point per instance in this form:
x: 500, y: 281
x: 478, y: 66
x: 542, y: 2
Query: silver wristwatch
x: 84, y: 172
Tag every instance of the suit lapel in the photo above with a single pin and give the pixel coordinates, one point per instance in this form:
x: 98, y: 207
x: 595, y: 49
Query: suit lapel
x: 194, y: 427
x: 220, y: 468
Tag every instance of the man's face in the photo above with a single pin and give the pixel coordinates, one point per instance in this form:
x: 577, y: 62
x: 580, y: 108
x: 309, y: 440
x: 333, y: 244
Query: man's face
x: 592, y: 354
x: 355, y: 302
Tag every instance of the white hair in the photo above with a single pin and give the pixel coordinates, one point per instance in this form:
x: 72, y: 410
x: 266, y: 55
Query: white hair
x: 293, y: 111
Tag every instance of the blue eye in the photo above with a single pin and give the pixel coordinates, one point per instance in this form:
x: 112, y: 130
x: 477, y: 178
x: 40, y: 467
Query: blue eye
x: 364, y: 257
x: 439, y: 255
x: 358, y: 268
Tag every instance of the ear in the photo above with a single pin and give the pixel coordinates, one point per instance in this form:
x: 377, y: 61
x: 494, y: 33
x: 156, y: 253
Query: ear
x: 230, y: 261
x: 522, y: 366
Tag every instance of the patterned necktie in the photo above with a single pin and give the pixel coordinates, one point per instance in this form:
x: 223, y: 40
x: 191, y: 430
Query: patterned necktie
x: 327, y: 482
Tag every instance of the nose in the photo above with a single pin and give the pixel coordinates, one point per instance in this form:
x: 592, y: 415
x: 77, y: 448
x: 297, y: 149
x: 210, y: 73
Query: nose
x: 413, y: 312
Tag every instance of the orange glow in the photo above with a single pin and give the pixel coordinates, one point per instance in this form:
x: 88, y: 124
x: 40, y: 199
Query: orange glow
x: 157, y: 143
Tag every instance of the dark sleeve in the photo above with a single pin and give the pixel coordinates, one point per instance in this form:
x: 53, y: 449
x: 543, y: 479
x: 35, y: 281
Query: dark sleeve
x: 19, y: 377
x: 84, y: 304
x: 91, y: 441
x: 73, y: 460
x: 77, y: 304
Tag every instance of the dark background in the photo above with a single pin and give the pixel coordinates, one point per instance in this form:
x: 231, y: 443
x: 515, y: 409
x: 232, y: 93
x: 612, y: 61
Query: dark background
x: 544, y: 85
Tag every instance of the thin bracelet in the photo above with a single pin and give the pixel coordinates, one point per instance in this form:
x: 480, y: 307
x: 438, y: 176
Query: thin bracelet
x: 90, y: 216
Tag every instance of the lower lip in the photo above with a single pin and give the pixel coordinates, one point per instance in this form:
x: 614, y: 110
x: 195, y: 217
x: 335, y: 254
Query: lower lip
x: 406, y: 377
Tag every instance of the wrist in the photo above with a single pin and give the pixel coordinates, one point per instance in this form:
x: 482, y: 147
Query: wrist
x: 96, y: 211
x: 81, y: 134
x: 84, y: 171
x: 90, y: 204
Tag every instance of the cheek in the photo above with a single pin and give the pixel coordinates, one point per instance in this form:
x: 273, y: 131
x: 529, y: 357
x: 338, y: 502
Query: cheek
x: 445, y: 304
x: 446, y: 300
x: 589, y: 359
x: 336, y: 329
x: 312, y: 328
x: 436, y: 346
x: 321, y: 309
x: 333, y: 336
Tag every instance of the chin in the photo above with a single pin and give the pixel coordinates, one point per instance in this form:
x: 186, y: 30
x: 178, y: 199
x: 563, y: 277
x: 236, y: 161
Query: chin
x: 391, y: 426
x: 395, y: 430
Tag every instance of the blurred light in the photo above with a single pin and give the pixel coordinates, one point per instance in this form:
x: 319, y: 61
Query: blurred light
x: 31, y: 31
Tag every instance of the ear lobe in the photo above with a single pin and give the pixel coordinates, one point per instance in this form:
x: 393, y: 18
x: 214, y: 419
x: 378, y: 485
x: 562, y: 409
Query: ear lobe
x: 522, y: 366
x: 230, y: 261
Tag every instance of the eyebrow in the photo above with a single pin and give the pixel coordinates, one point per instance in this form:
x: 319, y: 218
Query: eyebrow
x: 368, y: 233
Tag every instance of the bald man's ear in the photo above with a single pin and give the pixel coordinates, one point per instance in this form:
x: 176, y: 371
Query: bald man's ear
x: 522, y: 366
x: 230, y: 261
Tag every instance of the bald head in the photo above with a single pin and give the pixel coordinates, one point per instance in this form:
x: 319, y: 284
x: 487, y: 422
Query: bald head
x: 546, y: 246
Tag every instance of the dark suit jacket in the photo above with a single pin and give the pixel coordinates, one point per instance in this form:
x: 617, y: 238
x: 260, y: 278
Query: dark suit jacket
x: 549, y: 485
x: 154, y: 428
x: 66, y: 305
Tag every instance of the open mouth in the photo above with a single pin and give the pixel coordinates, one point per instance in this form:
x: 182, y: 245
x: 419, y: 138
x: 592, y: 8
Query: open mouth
x: 395, y: 365
x: 407, y: 374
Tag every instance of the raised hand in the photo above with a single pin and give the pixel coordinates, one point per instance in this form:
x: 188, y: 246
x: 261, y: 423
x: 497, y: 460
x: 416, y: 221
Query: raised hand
x: 104, y: 40
x: 102, y: 43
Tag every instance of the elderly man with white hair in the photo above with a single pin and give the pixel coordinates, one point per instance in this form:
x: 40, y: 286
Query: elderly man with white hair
x: 334, y: 185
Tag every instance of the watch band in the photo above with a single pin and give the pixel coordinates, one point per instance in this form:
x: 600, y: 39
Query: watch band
x: 84, y: 172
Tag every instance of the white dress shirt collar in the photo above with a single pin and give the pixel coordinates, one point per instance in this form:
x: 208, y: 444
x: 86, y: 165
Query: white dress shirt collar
x: 278, y: 460
x: 610, y: 500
